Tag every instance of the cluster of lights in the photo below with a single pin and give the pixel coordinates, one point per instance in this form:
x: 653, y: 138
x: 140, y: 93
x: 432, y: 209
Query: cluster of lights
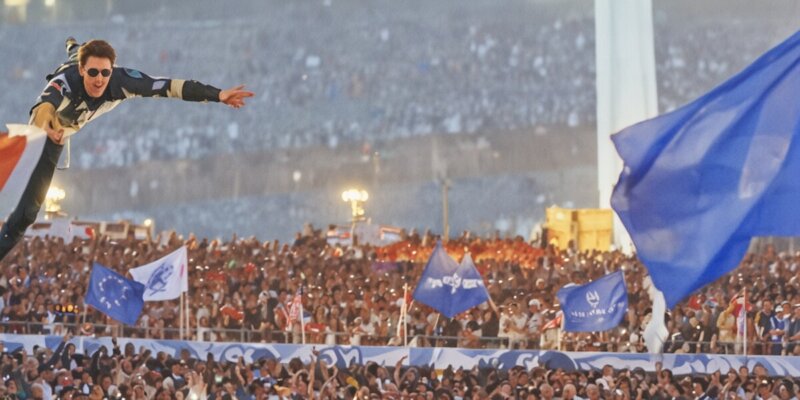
x: 356, y: 198
x: 52, y: 199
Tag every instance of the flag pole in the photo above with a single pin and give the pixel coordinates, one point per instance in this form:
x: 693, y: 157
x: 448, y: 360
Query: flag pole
x: 399, y: 328
x: 436, y: 324
x: 302, y: 320
x: 188, y: 298
x: 743, y: 313
x: 402, y: 323
x: 188, y: 316
x: 404, y: 315
x: 180, y: 326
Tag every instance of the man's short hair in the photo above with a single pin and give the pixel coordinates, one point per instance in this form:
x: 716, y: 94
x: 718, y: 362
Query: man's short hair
x: 96, y: 48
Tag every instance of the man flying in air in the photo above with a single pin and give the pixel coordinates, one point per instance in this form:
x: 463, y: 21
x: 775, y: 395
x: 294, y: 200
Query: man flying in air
x: 80, y: 90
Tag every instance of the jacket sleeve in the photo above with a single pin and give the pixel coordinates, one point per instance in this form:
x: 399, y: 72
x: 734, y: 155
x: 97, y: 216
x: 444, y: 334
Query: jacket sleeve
x: 43, y: 113
x: 127, y: 83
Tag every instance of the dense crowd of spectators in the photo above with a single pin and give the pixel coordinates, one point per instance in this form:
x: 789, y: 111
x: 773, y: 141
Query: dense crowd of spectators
x: 393, y: 71
x: 241, y: 290
x: 122, y: 372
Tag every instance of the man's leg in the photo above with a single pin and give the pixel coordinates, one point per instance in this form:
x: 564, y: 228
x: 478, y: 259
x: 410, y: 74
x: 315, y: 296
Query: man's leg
x: 72, y: 46
x: 32, y: 198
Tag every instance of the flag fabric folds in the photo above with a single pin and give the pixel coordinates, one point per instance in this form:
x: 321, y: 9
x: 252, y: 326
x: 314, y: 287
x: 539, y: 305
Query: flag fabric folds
x: 740, y: 309
x: 165, y: 278
x: 114, y: 295
x: 296, y: 306
x: 595, y: 306
x: 20, y: 151
x: 553, y: 323
x: 448, y: 287
x: 701, y: 181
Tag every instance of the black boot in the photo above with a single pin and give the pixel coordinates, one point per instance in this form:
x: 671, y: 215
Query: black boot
x: 71, y: 43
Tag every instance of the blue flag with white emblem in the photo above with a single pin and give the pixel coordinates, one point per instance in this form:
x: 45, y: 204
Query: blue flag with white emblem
x: 113, y: 294
x: 701, y: 181
x: 448, y: 287
x: 595, y: 306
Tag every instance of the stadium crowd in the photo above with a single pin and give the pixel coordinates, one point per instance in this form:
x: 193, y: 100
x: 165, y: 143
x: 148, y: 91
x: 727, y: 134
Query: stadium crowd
x: 241, y: 290
x: 391, y: 72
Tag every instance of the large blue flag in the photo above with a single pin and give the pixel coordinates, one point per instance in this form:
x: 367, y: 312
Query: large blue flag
x: 448, y: 287
x: 595, y: 306
x: 118, y: 297
x: 701, y: 181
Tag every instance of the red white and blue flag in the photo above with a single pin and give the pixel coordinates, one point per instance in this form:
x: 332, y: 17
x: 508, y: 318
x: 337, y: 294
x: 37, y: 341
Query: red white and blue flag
x: 20, y: 150
x: 740, y: 310
x: 296, y: 306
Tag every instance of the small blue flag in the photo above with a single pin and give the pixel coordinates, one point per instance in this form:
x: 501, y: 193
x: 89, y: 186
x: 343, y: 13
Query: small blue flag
x: 116, y: 296
x: 595, y: 306
x: 448, y: 287
x: 701, y: 181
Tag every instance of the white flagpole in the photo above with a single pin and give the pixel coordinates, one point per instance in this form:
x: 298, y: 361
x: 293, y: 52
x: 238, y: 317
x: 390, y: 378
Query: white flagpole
x: 404, y: 315
x: 188, y: 308
x: 743, y: 313
x: 187, y: 315
x: 302, y: 320
x: 401, y: 325
x: 188, y: 299
x: 180, y: 327
x: 398, y: 330
x: 435, y: 325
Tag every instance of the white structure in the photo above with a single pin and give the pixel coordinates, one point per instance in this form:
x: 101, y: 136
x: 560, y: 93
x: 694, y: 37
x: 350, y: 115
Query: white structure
x: 626, y: 85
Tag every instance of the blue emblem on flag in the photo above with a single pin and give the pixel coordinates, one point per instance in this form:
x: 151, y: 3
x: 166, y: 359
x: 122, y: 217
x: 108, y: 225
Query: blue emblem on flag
x: 448, y: 287
x: 159, y: 280
x: 595, y: 306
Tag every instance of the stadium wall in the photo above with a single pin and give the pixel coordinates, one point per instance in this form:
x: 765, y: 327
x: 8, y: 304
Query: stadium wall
x: 440, y: 358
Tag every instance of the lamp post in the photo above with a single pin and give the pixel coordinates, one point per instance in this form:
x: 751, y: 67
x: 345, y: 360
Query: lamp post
x: 356, y: 198
x: 52, y: 200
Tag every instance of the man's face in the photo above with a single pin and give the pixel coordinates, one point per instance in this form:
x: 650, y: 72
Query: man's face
x: 96, y: 85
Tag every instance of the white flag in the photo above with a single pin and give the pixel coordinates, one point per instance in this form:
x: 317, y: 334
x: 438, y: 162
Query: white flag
x: 166, y: 278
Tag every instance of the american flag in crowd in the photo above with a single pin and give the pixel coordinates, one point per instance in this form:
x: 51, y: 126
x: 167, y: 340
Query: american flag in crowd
x: 553, y: 323
x: 296, y: 306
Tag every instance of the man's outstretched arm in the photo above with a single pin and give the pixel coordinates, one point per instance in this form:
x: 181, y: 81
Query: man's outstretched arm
x: 127, y: 83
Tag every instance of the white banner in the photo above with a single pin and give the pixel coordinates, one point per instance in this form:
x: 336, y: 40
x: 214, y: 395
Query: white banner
x: 166, y: 278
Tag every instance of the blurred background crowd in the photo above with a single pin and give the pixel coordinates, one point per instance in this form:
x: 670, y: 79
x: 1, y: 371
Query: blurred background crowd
x: 390, y: 72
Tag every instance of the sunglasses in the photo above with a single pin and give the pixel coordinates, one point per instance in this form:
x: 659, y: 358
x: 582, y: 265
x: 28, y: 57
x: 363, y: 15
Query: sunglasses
x: 93, y: 72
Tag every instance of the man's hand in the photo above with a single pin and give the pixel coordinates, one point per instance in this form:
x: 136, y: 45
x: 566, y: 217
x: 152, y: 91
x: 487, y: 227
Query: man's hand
x: 235, y: 96
x: 57, y: 136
